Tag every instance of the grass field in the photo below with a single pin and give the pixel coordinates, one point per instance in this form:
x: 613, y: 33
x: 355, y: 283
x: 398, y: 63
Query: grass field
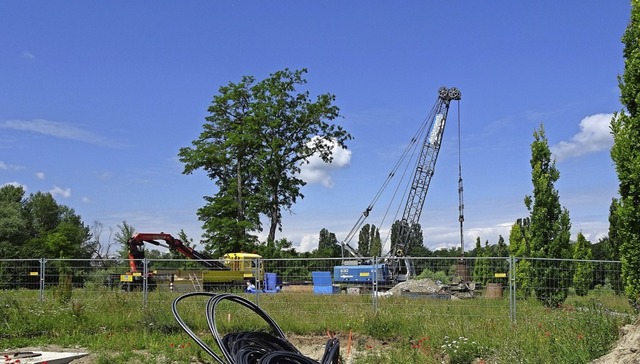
x: 116, y: 327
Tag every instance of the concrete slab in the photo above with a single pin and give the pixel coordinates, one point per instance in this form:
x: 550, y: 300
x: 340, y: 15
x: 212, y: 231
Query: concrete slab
x: 39, y: 357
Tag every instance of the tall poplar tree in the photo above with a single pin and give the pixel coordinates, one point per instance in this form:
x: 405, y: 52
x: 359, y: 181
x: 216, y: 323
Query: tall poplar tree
x: 550, y: 225
x: 519, y: 247
x: 583, y: 275
x: 369, y: 242
x: 625, y: 127
x: 328, y: 245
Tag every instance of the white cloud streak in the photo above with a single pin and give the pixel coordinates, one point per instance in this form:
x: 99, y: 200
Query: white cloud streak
x: 317, y: 171
x: 55, y: 129
x: 27, y: 55
x: 7, y: 167
x: 594, y: 136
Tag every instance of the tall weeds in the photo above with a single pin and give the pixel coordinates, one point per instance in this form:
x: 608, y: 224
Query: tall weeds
x: 116, y: 325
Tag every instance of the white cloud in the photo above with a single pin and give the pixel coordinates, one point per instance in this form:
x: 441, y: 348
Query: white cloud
x: 27, y: 55
x: 56, y: 129
x: 86, y: 200
x: 40, y: 175
x: 104, y: 175
x: 57, y: 191
x: 317, y: 171
x: 5, y: 166
x: 307, y: 244
x: 491, y: 233
x: 594, y: 136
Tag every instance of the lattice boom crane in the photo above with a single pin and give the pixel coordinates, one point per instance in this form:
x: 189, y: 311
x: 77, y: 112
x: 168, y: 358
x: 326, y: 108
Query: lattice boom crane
x: 395, y: 266
x: 424, y: 170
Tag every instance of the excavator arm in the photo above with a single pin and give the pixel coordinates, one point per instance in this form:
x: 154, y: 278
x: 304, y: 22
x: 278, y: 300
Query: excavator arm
x: 136, y: 250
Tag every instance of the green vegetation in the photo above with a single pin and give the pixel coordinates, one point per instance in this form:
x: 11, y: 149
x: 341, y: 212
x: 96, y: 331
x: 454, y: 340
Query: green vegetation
x: 253, y: 143
x: 36, y: 226
x: 115, y: 327
x: 583, y: 275
x: 549, y: 229
x: 625, y: 153
x: 369, y: 243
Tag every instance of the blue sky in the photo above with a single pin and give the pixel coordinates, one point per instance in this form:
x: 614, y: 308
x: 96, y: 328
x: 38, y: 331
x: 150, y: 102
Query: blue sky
x: 96, y: 98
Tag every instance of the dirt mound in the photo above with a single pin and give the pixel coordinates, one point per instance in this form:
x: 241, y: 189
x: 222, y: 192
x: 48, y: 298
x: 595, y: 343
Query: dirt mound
x: 627, y: 349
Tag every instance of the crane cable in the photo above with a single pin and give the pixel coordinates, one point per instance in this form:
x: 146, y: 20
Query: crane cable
x: 251, y: 347
x: 460, y: 189
x: 425, y: 126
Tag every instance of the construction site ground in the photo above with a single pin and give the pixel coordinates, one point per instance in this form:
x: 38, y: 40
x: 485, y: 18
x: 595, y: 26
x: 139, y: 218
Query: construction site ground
x: 625, y: 351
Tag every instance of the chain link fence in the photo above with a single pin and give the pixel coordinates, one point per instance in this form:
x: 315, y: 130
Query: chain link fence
x: 440, y: 286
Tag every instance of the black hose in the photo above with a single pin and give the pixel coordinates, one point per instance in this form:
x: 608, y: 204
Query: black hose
x: 251, y: 347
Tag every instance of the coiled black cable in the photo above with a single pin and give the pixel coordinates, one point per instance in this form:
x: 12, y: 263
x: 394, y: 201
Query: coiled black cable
x: 251, y: 347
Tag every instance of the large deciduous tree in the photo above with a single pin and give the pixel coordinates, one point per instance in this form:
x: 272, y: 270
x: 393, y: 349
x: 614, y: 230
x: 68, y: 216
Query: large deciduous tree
x: 253, y: 144
x: 625, y: 127
x: 550, y: 225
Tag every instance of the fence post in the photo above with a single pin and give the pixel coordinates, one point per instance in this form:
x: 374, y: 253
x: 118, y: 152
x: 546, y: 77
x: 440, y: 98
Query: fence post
x: 374, y: 288
x: 145, y: 282
x: 512, y: 288
x: 257, y: 281
x: 43, y: 262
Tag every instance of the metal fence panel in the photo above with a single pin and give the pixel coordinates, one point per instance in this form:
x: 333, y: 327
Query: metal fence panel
x: 474, y: 286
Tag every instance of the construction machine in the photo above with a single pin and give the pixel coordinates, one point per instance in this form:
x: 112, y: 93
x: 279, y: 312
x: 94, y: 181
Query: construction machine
x: 234, y: 269
x: 395, y: 266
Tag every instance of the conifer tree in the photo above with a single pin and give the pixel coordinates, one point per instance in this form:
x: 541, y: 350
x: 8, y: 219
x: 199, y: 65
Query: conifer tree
x: 550, y: 226
x: 583, y: 275
x: 625, y: 127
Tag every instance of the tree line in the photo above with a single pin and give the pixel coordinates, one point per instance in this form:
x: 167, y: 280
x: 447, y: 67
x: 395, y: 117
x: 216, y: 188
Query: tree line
x: 36, y: 226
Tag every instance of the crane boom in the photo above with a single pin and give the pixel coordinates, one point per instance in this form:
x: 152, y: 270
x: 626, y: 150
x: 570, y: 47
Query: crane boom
x: 425, y: 166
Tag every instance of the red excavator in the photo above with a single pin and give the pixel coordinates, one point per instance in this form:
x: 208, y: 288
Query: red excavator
x: 236, y: 269
x: 136, y: 250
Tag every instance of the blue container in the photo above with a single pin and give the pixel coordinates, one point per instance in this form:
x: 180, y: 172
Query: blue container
x: 322, y: 283
x: 270, y: 281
